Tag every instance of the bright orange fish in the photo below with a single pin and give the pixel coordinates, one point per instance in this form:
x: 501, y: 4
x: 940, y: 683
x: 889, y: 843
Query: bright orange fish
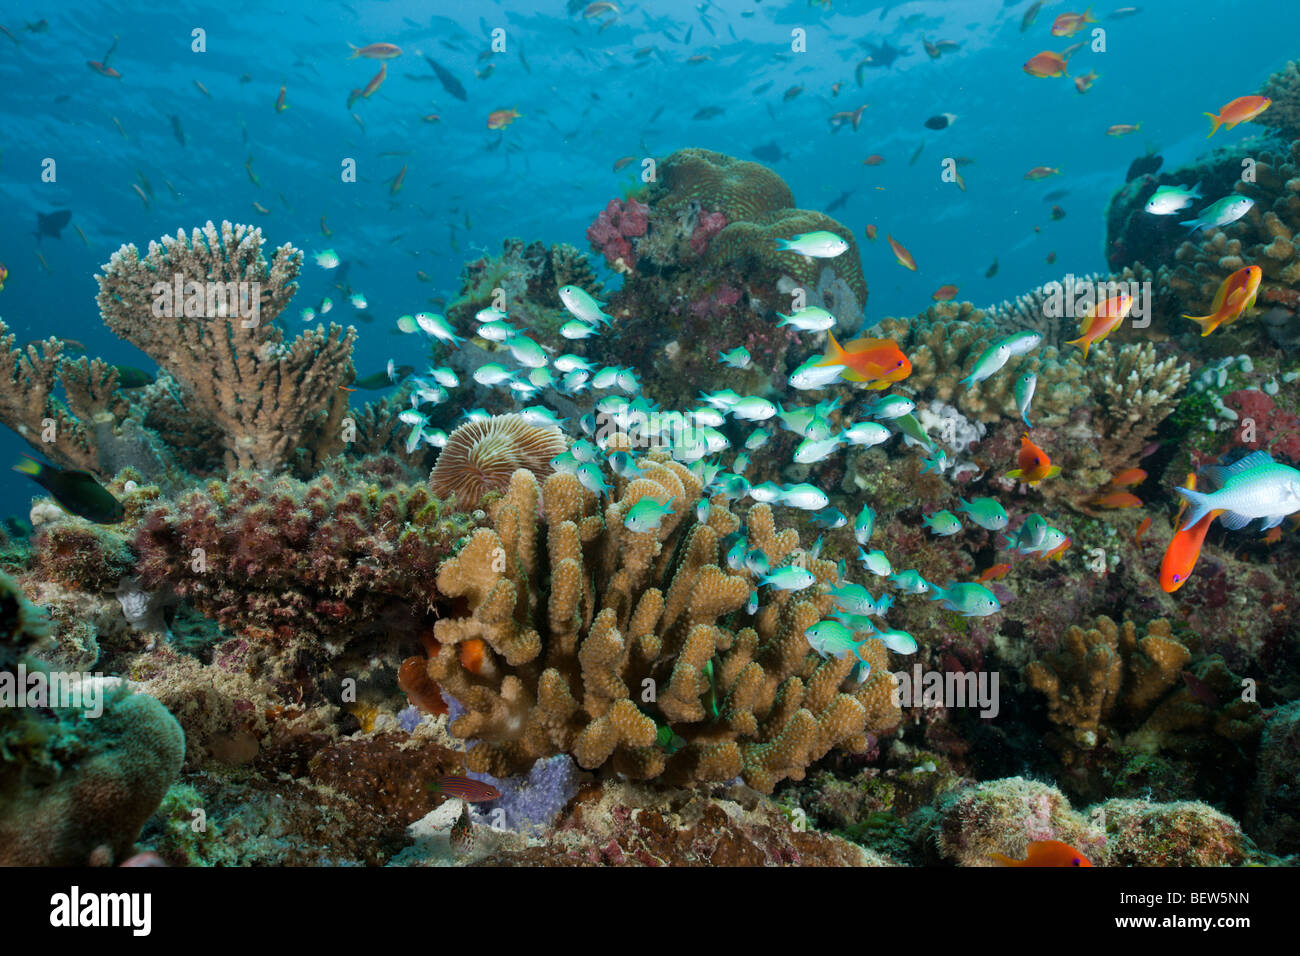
x: 1235, y: 296
x: 1034, y: 463
x: 994, y: 573
x: 945, y: 293
x: 1042, y: 172
x: 879, y: 362
x: 1183, y: 551
x: 1046, y: 64
x: 1068, y: 24
x: 1117, y: 499
x: 1128, y: 477
x: 472, y: 655
x: 500, y: 119
x: 901, y: 254
x: 1101, y: 319
x: 871, y: 232
x: 1046, y: 853
x: 1241, y: 110
x: 1142, y: 529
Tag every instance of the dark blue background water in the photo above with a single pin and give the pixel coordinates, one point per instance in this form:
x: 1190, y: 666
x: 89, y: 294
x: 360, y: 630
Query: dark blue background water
x: 586, y: 100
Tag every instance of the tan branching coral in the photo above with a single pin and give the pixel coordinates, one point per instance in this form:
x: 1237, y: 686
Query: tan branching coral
x: 1105, y: 671
x: 261, y: 393
x: 480, y: 456
x: 945, y: 341
x: 28, y: 378
x: 601, y: 641
x: 1133, y: 391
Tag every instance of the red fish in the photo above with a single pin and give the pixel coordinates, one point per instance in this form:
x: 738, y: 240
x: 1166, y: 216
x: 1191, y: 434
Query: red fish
x: 994, y: 573
x: 1100, y: 319
x: 1046, y: 853
x: 875, y: 159
x: 464, y: 788
x: 472, y: 655
x: 901, y: 254
x: 879, y: 362
x: 1034, y: 465
x: 1084, y: 83
x: 1068, y: 24
x: 1183, y: 552
x: 1128, y: 478
x: 945, y: 293
x: 1118, y: 499
x: 396, y: 185
x: 376, y: 82
x: 1046, y: 64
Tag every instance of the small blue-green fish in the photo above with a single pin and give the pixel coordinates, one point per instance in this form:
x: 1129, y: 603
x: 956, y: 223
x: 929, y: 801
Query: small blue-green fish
x: 968, y: 600
x: 570, y: 363
x: 808, y: 319
x: 646, y: 514
x: 405, y: 323
x: 810, y: 451
x: 1167, y: 200
x: 1025, y: 386
x: 753, y: 409
x: 445, y: 377
x: 804, y: 496
x: 1022, y: 343
x: 875, y: 562
x: 623, y: 465
x: 582, y: 306
x: 909, y: 582
x: 757, y: 439
x: 539, y: 416
x: 819, y: 429
x: 541, y: 377
x: 575, y: 381
x: 866, y: 434
x: 414, y: 438
x: 855, y: 599
x: 526, y: 351
x: 566, y: 463
x: 1222, y: 213
x: 741, y: 464
x: 308, y: 314
x: 815, y: 551
x: 1052, y: 538
x: 767, y: 492
x: 909, y: 426
x: 429, y: 395
x: 483, y: 316
x: 1032, y: 532
x: 325, y: 306
x: 584, y: 451
x: 814, y: 245
x: 830, y: 519
x: 900, y: 642
x: 438, y: 327
x: 891, y: 406
x: 358, y: 301
x: 722, y: 400
x: 989, y: 363
x: 733, y: 486
x: 736, y: 358
x: 790, y: 578
x: 475, y: 415
x: 864, y: 524
x: 710, y: 417
x: 936, y: 463
x: 985, y: 512
x: 942, y: 523
x: 707, y: 472
x: 810, y: 375
x: 736, y: 554
x: 496, y: 331
x: 751, y: 607
x: 628, y: 381
x: 1254, y: 487
x: 493, y: 374
x: 757, y: 563
x: 409, y: 416
x: 831, y: 639
x: 435, y: 437
x: 606, y: 377
x: 573, y: 329
x: 328, y: 259
x: 702, y: 510
x: 591, y: 478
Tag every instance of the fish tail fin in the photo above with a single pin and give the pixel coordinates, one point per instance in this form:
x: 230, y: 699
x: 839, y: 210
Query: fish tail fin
x: 356, y: 51
x: 1206, y: 322
x: 1083, y: 343
x: 29, y: 466
x: 1014, y: 473
x: 1215, y: 123
x: 1198, y: 508
x: 1196, y: 190
x: 1194, y: 223
x: 1088, y: 17
x: 782, y: 244
x: 1053, y: 471
x: 834, y: 351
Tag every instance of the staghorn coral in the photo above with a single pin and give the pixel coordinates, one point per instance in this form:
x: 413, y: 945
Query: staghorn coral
x: 347, y: 553
x: 262, y: 395
x: 943, y: 344
x: 1133, y: 391
x: 28, y: 378
x: 1103, y: 672
x: 480, y: 456
x: 624, y: 612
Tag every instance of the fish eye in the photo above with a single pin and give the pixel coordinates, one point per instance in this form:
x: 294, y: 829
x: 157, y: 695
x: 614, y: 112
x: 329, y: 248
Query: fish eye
x: 1177, y: 578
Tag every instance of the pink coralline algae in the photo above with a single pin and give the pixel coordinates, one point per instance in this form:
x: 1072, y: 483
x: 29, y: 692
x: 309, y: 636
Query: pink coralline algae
x: 708, y: 226
x: 715, y: 303
x: 1275, y: 428
x: 617, y: 223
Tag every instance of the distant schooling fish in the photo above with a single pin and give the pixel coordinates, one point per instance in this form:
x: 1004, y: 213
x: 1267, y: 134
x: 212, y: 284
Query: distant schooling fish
x: 500, y: 119
x: 280, y: 104
x: 1045, y: 853
x: 1100, y: 319
x: 1033, y: 464
x: 1123, y: 129
x: 375, y: 51
x: 1236, y: 294
x: 1241, y: 110
x: 968, y: 600
x: 877, y: 362
x: 901, y: 254
x: 77, y: 492
x: 1068, y: 24
x: 1046, y: 64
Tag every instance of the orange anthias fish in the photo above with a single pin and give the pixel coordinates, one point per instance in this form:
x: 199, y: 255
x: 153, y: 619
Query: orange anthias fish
x: 1128, y: 478
x: 994, y: 573
x: 1117, y: 499
x: 500, y: 119
x: 901, y: 254
x: 879, y: 362
x: 1046, y: 64
x: 396, y: 186
x: 945, y: 293
x: 1101, y: 319
x: 1235, y: 296
x: 1241, y: 110
x: 1034, y: 465
x: 1142, y: 529
x: 376, y: 81
x: 1182, y: 554
x: 871, y: 231
x: 1046, y: 853
x: 1068, y: 24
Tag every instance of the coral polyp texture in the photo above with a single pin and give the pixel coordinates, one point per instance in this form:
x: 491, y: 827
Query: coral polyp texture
x: 480, y: 456
x: 600, y: 636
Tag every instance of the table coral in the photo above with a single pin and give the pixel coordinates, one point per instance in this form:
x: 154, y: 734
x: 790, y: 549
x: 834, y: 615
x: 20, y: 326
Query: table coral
x: 262, y: 394
x: 643, y: 619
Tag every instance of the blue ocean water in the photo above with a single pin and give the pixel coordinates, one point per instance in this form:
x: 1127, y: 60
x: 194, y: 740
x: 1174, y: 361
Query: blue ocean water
x: 585, y: 100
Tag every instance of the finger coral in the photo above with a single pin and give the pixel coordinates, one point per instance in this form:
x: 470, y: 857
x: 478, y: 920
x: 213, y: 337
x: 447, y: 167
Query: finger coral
x: 262, y: 394
x: 632, y: 651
